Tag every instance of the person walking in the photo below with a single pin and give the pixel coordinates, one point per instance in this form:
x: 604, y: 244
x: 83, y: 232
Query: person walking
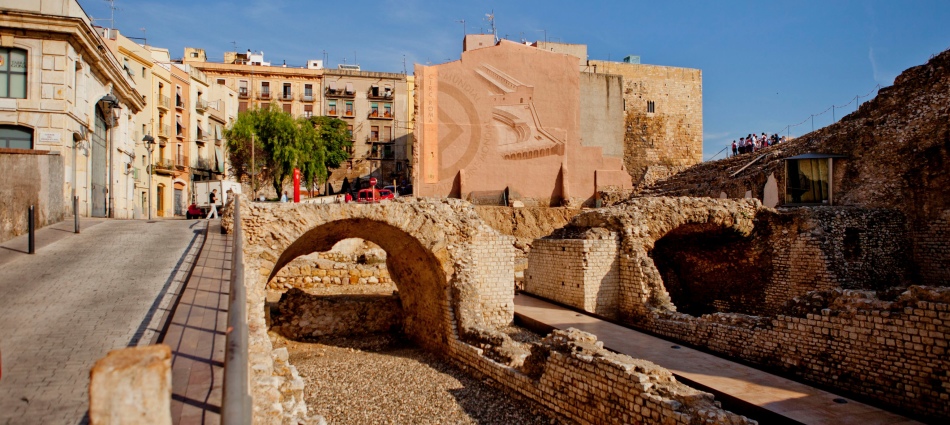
x: 213, y: 198
x: 283, y: 198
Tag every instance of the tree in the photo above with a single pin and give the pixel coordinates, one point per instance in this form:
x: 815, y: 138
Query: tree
x: 324, y: 143
x: 276, y: 133
x: 314, y: 145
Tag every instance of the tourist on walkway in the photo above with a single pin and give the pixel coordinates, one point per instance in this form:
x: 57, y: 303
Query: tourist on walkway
x: 283, y: 198
x: 213, y: 198
x: 735, y: 149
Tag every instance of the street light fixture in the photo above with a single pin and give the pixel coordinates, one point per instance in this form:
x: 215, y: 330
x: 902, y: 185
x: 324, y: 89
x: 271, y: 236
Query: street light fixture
x: 149, y: 145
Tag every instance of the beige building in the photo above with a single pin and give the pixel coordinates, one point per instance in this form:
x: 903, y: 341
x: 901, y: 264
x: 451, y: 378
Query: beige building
x: 70, y: 100
x: 375, y: 105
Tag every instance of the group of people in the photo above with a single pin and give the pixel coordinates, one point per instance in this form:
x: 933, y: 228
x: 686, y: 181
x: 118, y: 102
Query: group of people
x: 752, y: 143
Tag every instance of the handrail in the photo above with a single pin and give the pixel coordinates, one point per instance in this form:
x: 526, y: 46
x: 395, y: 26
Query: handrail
x: 236, y: 399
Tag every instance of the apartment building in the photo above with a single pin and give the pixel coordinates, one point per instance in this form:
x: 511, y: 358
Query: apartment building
x: 65, y: 116
x: 375, y: 105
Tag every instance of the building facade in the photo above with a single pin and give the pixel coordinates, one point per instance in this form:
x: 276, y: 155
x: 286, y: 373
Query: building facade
x: 375, y: 105
x: 66, y: 96
x: 507, y: 119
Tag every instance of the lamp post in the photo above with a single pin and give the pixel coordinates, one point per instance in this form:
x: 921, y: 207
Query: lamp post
x: 149, y: 145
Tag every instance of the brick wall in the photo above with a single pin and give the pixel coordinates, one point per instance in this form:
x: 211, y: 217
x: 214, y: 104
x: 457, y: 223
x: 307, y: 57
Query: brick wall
x: 571, y: 375
x: 893, y: 352
x: 583, y: 273
x: 304, y: 273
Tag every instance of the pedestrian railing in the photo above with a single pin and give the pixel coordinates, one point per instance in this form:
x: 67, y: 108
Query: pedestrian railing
x: 236, y: 399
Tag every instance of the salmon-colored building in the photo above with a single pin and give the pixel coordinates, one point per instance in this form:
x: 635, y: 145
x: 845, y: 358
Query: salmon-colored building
x: 506, y: 118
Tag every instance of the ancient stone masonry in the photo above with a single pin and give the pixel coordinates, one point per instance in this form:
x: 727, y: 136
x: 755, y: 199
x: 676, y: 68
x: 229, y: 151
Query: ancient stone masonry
x: 573, y: 376
x: 893, y: 352
x: 307, y: 274
x: 829, y: 287
x: 582, y: 272
x: 455, y: 280
x: 897, y: 149
x: 304, y: 316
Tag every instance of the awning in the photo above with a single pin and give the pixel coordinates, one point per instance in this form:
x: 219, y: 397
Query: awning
x: 816, y: 155
x: 219, y: 160
x: 349, y: 88
x: 217, y: 131
x: 332, y: 85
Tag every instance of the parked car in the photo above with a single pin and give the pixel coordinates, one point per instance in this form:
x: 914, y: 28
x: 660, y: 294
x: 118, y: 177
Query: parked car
x: 367, y: 196
x: 392, y: 189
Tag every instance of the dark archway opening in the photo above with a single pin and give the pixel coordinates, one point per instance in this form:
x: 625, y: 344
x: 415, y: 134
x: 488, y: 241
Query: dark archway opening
x: 708, y: 269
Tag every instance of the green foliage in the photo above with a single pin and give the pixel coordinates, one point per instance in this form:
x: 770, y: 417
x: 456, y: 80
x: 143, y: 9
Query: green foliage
x: 282, y: 143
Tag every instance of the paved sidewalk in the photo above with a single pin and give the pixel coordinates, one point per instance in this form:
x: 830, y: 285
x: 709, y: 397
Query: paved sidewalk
x: 780, y: 396
x: 78, y: 298
x: 197, y: 334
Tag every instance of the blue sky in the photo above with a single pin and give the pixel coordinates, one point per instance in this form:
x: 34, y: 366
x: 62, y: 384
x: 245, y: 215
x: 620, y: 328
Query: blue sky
x: 765, y: 65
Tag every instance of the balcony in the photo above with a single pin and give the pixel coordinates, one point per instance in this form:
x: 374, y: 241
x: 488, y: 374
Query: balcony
x: 346, y: 91
x: 378, y: 93
x: 376, y: 115
x: 201, y: 136
x: 307, y: 97
x: 206, y: 164
x: 332, y: 112
x: 164, y: 166
x: 216, y: 110
x: 180, y: 131
x: 164, y: 102
x: 164, y: 131
x: 181, y: 162
x: 264, y: 95
x: 242, y: 93
x: 179, y: 103
x: 287, y: 96
x: 201, y: 105
x: 348, y: 114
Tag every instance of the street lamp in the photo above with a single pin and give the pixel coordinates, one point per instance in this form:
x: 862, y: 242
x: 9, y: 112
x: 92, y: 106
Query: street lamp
x: 149, y: 145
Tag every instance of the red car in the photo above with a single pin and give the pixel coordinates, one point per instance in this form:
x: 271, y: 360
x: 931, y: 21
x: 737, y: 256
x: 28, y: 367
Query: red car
x: 366, y: 196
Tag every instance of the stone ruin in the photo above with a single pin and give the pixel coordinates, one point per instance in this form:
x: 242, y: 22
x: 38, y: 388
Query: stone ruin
x: 455, y: 280
x: 853, y: 297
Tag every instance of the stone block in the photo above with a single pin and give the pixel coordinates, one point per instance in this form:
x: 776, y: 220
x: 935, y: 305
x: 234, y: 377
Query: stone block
x: 132, y: 385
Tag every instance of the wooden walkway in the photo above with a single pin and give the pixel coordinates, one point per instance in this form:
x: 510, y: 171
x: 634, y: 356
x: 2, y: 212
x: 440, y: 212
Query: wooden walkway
x: 196, y: 334
x: 776, y: 399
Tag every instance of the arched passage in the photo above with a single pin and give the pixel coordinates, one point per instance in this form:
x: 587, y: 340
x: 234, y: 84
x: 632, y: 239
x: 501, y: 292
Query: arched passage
x: 709, y: 269
x: 415, y: 270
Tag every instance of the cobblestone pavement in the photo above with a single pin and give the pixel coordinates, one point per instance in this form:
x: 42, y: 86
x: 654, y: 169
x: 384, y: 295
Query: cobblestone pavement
x: 75, y: 300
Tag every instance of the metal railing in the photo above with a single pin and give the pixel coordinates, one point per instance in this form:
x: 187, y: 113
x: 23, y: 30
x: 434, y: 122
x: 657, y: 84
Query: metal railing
x: 236, y: 400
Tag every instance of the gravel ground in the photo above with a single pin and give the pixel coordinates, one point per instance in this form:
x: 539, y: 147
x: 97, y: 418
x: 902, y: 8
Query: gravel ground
x: 386, y: 380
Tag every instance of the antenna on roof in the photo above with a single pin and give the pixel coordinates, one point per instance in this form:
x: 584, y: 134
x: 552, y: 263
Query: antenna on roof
x: 462, y: 21
x: 491, y: 21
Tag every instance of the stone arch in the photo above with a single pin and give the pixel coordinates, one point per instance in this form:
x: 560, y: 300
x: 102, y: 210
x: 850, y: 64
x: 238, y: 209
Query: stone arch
x: 436, y: 249
x: 642, y: 222
x: 416, y: 272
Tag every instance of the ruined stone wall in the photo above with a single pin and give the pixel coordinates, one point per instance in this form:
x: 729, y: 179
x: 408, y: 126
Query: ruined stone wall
x: 931, y: 245
x: 306, y: 274
x: 493, y: 260
x: 824, y: 248
x: 898, y: 150
x: 892, y: 352
x: 304, y: 316
x: 570, y: 374
x: 582, y: 273
x: 672, y: 134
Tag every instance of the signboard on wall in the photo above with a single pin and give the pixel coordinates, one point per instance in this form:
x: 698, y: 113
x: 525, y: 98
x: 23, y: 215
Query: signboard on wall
x: 50, y: 137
